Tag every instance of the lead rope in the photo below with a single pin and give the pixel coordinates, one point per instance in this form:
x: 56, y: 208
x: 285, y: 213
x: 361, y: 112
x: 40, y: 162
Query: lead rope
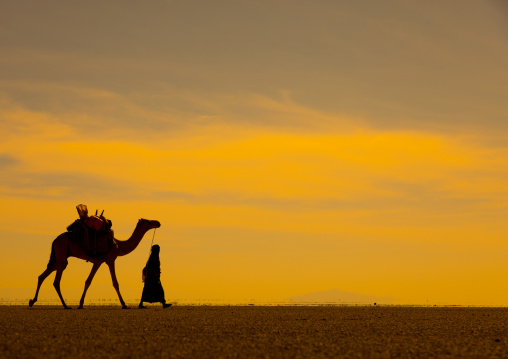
x: 151, y: 244
x: 153, y: 236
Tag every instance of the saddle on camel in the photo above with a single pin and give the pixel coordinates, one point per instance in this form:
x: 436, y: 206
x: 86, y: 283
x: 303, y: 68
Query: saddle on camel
x: 93, y: 233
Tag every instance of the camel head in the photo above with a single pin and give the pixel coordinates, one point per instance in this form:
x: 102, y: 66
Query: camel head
x: 148, y: 224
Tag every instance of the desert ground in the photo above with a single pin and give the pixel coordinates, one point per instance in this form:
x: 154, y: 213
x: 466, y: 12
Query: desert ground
x: 254, y: 331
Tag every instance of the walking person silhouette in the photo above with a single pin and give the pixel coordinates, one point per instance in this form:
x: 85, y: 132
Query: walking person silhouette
x: 152, y: 290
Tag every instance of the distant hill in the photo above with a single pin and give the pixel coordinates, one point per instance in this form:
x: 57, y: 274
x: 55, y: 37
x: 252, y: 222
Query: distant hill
x: 339, y: 296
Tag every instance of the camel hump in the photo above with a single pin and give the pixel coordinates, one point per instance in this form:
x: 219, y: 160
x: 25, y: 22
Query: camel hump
x: 92, y: 233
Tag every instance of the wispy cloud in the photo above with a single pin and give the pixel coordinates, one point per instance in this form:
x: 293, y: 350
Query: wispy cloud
x: 7, y: 160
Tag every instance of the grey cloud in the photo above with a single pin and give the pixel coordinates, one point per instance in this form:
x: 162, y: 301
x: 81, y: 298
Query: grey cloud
x: 398, y: 65
x: 63, y: 185
x: 420, y: 197
x: 176, y: 196
x: 91, y: 112
x: 426, y: 199
x: 7, y: 160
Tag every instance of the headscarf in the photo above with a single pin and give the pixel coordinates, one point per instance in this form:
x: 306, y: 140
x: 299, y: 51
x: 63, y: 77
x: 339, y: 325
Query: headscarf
x: 156, y: 249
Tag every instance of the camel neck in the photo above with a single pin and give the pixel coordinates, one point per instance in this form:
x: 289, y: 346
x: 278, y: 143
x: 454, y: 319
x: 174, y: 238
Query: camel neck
x: 125, y: 247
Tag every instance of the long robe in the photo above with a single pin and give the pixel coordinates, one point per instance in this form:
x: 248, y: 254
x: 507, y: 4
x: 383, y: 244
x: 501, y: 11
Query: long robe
x: 152, y: 291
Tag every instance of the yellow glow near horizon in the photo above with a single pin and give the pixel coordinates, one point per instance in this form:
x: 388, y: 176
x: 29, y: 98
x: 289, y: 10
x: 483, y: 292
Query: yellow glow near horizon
x: 367, y: 185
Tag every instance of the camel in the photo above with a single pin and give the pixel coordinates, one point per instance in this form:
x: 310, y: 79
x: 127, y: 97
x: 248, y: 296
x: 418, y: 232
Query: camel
x: 63, y: 247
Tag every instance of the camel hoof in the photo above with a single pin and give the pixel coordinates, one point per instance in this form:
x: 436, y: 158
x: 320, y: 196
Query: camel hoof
x: 125, y: 307
x: 66, y: 307
x: 31, y: 302
x: 81, y: 307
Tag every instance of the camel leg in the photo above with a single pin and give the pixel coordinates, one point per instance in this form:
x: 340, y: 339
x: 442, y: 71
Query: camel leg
x: 56, y: 284
x: 88, y: 281
x: 115, y: 284
x: 40, y: 280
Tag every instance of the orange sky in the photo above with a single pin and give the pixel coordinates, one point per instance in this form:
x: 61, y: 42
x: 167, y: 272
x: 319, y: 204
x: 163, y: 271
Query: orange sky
x: 286, y: 148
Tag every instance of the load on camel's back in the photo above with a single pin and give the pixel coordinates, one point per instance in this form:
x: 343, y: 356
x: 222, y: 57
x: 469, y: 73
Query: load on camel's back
x: 93, y: 233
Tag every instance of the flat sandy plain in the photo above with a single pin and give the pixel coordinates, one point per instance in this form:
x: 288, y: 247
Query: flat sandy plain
x: 254, y: 331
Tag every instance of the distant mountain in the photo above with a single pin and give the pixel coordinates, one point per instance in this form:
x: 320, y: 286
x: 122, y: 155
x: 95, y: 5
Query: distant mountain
x: 335, y: 296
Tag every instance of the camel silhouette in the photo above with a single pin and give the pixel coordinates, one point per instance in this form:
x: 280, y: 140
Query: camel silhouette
x: 63, y: 247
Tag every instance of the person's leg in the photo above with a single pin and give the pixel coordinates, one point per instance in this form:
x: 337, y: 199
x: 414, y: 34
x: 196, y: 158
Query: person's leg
x: 144, y: 294
x: 164, y: 305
